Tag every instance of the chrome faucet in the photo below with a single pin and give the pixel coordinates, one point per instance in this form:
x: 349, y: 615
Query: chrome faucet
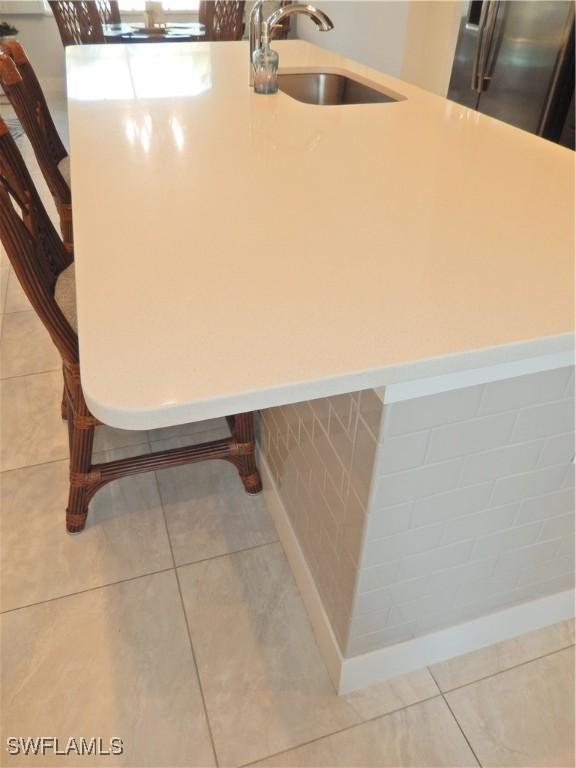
x: 275, y: 19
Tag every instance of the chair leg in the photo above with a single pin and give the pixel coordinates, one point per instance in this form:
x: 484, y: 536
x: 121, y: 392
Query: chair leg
x: 65, y: 211
x: 81, y: 490
x: 243, y: 434
x: 64, y: 405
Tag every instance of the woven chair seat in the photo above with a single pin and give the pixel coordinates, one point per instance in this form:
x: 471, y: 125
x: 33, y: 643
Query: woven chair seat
x: 65, y: 295
x: 64, y: 168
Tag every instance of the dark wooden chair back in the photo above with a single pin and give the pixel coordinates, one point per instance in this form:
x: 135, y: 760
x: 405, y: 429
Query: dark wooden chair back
x: 34, y: 248
x: 21, y: 86
x: 78, y: 21
x: 223, y: 19
x: 109, y: 11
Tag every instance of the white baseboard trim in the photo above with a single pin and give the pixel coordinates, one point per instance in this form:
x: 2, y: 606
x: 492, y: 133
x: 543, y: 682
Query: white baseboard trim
x: 385, y: 663
x: 444, y: 644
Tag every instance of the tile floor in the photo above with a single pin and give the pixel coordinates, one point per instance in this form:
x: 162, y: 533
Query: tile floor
x: 173, y: 622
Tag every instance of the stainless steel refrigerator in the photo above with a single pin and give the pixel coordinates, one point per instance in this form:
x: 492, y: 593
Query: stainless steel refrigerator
x: 515, y: 61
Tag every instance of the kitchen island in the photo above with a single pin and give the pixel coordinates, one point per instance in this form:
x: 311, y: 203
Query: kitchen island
x: 390, y: 284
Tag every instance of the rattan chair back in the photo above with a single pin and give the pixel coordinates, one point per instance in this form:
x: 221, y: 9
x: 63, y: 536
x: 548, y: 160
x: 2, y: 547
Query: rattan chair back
x: 78, y: 21
x: 223, y: 19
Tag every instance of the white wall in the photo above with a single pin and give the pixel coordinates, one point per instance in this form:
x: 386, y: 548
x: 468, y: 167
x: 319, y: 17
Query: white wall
x: 369, y: 31
x: 411, y: 39
x: 40, y: 37
x: 431, y: 36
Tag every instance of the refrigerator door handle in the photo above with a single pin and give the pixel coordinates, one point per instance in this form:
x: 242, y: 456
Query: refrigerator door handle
x: 480, y: 76
x: 479, y: 45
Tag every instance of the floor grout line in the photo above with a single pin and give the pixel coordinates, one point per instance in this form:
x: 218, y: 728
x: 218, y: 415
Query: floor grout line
x: 461, y: 729
x: 502, y: 671
x: 343, y: 730
x: 187, y: 623
x: 84, y: 591
x: 30, y: 373
x: 227, y: 554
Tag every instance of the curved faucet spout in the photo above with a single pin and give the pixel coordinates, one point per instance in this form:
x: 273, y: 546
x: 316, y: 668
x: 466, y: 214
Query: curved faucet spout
x: 322, y: 21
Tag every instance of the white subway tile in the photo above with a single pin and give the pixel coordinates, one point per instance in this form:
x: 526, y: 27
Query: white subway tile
x: 466, y: 612
x: 363, y: 461
x: 376, y: 601
x: 570, y: 477
x: 391, y: 490
x: 378, y: 576
x: 371, y: 408
x: 536, y: 483
x: 559, y: 584
x: 480, y: 524
x: 499, y: 462
x: 550, y: 505
x: 550, y: 569
x: 444, y: 506
x: 432, y: 411
x: 544, y: 420
x: 462, y: 574
x: 388, y: 521
x: 567, y: 547
x: 470, y: 436
x: 513, y: 538
x: 526, y: 557
x: 485, y: 588
x: 559, y: 449
x: 441, y: 582
x: 522, y: 391
x: 430, y: 603
x: 385, y: 637
x: 399, y: 453
x: 569, y: 391
x: 435, y: 560
x: 412, y: 589
x: 380, y: 551
x: 558, y: 527
x: 370, y: 622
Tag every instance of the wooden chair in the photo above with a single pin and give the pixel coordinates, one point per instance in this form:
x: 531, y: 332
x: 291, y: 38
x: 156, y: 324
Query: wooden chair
x: 109, y: 11
x: 46, y: 272
x: 223, y: 19
x: 22, y: 88
x: 78, y: 21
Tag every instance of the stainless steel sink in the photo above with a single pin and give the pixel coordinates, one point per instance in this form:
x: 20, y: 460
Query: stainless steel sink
x: 329, y: 88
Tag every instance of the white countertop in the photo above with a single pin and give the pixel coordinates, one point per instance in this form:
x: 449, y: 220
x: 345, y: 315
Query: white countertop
x: 237, y: 251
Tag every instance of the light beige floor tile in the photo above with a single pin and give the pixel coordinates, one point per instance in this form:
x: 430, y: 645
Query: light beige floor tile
x: 465, y: 669
x: 26, y: 346
x: 4, y: 274
x: 191, y: 430
x: 112, y: 662
x: 32, y: 428
x: 393, y: 694
x: 108, y: 438
x: 207, y: 511
x: 125, y: 535
x: 421, y: 736
x: 16, y: 300
x: 265, y: 685
x: 522, y: 717
x: 4, y: 260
